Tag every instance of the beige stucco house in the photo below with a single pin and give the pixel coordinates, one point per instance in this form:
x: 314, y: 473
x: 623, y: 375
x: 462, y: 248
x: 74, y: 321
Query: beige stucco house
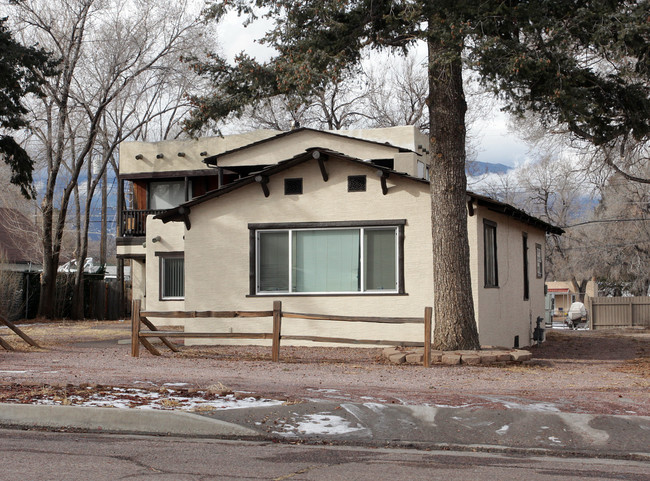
x: 336, y: 223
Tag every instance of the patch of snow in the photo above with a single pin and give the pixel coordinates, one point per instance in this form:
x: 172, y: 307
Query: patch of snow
x: 375, y: 407
x: 13, y: 372
x: 502, y: 430
x: 324, y: 423
x: 536, y: 407
x: 555, y: 440
x: 141, y: 399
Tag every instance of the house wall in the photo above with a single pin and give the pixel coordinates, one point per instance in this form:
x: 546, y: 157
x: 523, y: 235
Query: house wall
x: 217, y: 266
x: 171, y: 240
x: 217, y: 252
x: 502, y: 311
x: 406, y: 136
x: 138, y: 284
x: 193, y: 159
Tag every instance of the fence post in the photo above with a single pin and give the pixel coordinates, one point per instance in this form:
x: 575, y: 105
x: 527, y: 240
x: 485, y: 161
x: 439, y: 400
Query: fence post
x: 135, y: 328
x: 277, y: 323
x: 426, y: 360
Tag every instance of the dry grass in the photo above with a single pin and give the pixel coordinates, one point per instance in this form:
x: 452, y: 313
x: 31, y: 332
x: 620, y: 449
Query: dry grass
x: 50, y: 335
x: 639, y: 367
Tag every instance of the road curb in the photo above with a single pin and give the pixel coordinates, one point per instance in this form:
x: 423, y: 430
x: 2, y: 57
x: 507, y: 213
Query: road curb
x: 139, y: 421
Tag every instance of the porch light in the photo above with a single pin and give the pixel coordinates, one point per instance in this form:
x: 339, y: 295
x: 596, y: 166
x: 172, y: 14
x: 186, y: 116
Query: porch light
x: 159, y: 156
x: 181, y: 154
x: 139, y: 157
x: 156, y: 239
x: 203, y: 154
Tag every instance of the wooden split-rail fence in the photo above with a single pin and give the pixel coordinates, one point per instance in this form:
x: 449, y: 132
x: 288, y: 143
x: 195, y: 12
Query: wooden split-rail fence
x: 141, y: 336
x: 18, y: 332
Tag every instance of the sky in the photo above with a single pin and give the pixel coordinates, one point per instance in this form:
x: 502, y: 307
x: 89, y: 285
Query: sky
x: 495, y: 143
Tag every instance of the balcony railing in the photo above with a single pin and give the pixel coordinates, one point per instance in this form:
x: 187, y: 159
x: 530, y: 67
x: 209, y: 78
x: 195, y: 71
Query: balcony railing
x: 134, y: 222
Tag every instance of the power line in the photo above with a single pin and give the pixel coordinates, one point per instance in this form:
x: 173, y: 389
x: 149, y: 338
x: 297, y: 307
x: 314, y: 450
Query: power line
x: 602, y: 221
x: 631, y: 244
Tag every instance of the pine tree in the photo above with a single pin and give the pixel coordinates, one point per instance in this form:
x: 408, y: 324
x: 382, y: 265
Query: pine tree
x: 21, y: 73
x: 583, y: 64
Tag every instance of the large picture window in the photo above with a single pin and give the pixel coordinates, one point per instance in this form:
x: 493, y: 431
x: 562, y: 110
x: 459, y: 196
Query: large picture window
x: 491, y: 273
x: 301, y: 259
x: 172, y: 275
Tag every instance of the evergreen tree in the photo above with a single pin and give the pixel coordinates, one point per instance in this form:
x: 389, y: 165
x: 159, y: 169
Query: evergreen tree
x: 21, y: 73
x: 583, y: 64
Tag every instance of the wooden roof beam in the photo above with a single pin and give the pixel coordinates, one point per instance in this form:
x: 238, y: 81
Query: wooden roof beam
x: 263, y: 180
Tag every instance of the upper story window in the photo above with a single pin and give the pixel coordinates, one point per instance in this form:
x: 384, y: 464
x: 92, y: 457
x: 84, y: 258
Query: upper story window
x: 423, y: 170
x: 491, y: 271
x: 167, y: 194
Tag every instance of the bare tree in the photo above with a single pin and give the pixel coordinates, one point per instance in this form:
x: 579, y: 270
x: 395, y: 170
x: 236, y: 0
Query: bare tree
x: 104, y: 46
x: 396, y: 93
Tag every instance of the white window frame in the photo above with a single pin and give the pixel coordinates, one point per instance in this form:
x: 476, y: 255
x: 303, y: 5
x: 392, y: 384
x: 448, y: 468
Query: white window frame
x: 397, y: 227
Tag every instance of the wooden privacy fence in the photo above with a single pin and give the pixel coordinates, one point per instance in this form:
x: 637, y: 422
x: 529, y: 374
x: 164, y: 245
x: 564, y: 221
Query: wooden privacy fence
x: 139, y: 336
x: 619, y: 312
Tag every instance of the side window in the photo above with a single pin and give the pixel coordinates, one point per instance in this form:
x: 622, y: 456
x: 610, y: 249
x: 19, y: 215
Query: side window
x: 525, y: 259
x: 172, y: 275
x: 539, y: 261
x: 490, y: 254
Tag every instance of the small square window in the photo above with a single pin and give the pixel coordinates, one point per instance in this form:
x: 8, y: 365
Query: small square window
x: 293, y: 186
x: 356, y: 183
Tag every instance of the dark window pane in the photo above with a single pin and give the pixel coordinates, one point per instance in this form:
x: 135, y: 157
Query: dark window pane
x: 292, y: 186
x: 173, y: 277
x: 356, y: 183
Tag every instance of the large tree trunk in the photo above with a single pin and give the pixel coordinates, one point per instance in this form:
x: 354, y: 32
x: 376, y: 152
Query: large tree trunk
x: 46, y: 300
x: 455, y: 325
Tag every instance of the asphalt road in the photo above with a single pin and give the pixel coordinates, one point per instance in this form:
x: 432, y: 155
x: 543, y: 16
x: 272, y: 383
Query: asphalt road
x: 35, y: 455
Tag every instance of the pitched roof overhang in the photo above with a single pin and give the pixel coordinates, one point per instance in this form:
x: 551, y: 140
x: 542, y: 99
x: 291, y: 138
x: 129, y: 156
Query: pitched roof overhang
x: 181, y: 213
x: 507, y: 209
x: 212, y: 160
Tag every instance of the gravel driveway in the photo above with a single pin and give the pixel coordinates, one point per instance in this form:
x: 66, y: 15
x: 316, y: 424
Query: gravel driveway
x: 602, y: 372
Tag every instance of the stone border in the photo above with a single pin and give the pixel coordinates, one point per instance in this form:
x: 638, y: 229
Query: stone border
x: 486, y: 356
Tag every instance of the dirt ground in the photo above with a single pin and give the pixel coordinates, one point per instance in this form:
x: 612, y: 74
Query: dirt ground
x: 601, y: 372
